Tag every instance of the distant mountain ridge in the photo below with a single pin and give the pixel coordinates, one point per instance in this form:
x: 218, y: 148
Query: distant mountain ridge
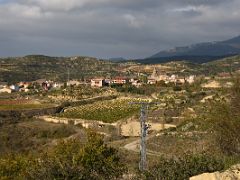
x: 199, y: 53
x: 116, y: 59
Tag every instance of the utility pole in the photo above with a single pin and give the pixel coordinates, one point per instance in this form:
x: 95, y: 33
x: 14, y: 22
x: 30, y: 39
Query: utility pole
x: 144, y: 128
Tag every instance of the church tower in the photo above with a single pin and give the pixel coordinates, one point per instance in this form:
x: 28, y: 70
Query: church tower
x: 154, y: 73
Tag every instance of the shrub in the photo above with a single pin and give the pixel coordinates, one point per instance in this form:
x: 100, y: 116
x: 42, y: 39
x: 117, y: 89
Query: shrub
x: 224, y: 117
x: 226, y: 128
x: 13, y: 166
x: 68, y: 160
x: 184, y: 167
x: 177, y: 88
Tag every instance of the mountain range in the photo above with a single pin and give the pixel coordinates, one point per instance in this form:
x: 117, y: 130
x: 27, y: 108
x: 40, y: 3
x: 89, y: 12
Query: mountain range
x: 198, y: 53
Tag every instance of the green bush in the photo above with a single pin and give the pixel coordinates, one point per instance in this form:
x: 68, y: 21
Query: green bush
x: 13, y: 166
x: 225, y: 120
x: 68, y: 160
x: 184, y: 167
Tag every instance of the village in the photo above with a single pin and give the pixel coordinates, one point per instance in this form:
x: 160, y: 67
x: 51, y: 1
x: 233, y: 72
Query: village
x: 98, y: 82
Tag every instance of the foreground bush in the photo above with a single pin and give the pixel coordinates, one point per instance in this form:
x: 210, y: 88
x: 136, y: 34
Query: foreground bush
x: 226, y: 128
x: 13, y: 167
x: 68, y: 160
x: 225, y: 119
x: 184, y: 167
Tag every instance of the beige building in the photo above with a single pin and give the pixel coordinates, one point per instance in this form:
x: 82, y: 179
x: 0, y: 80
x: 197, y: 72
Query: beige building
x: 151, y: 81
x: 73, y: 83
x: 6, y: 90
x: 97, y: 82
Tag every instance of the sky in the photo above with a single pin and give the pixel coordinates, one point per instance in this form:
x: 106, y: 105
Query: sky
x: 112, y: 28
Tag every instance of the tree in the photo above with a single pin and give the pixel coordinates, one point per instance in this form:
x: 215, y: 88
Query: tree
x: 73, y: 160
x: 100, y: 161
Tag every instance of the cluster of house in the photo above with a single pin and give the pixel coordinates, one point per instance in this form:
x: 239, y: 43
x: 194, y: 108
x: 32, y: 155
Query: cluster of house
x: 100, y: 82
x: 46, y: 85
x: 19, y: 87
x: 40, y: 83
x: 152, y: 79
x: 173, y: 78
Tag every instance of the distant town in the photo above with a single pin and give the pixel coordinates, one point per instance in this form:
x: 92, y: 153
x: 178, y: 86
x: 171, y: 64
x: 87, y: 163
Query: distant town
x: 99, y: 82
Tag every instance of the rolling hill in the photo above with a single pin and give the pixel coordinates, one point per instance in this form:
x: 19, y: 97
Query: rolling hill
x: 32, y: 67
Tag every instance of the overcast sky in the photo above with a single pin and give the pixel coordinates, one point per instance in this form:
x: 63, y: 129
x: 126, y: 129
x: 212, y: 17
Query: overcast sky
x: 112, y: 28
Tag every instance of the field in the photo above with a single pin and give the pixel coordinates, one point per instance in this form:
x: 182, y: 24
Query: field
x: 21, y: 104
x: 106, y: 111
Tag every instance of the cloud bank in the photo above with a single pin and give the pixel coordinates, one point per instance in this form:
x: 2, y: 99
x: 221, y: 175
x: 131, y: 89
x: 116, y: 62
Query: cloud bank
x: 110, y: 28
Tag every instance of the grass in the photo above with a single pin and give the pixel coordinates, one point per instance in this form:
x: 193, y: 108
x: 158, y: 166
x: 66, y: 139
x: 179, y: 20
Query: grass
x: 106, y: 111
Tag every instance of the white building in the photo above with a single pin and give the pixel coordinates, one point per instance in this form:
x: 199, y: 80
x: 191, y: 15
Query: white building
x: 151, y: 81
x: 14, y: 87
x: 57, y: 85
x: 173, y: 78
x: 191, y: 79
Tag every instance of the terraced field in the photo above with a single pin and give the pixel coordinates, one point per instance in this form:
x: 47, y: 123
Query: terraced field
x: 106, y: 111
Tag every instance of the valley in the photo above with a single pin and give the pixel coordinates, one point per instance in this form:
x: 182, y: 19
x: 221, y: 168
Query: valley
x: 39, y: 114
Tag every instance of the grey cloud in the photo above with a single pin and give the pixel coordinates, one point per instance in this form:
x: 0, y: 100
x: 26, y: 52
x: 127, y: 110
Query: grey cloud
x: 69, y: 5
x: 110, y: 28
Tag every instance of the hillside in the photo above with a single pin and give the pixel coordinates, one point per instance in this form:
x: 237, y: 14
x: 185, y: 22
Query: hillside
x: 198, y: 53
x: 34, y: 67
x: 222, y: 65
x: 30, y: 68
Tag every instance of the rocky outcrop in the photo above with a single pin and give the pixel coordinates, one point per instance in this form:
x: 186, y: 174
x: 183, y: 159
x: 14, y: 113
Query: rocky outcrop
x: 231, y: 174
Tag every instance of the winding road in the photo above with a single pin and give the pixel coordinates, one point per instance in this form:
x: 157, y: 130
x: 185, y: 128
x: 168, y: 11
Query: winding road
x: 135, y: 147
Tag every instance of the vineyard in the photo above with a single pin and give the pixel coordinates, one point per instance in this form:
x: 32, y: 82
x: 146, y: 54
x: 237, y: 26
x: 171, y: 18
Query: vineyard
x: 20, y: 104
x: 106, y: 111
